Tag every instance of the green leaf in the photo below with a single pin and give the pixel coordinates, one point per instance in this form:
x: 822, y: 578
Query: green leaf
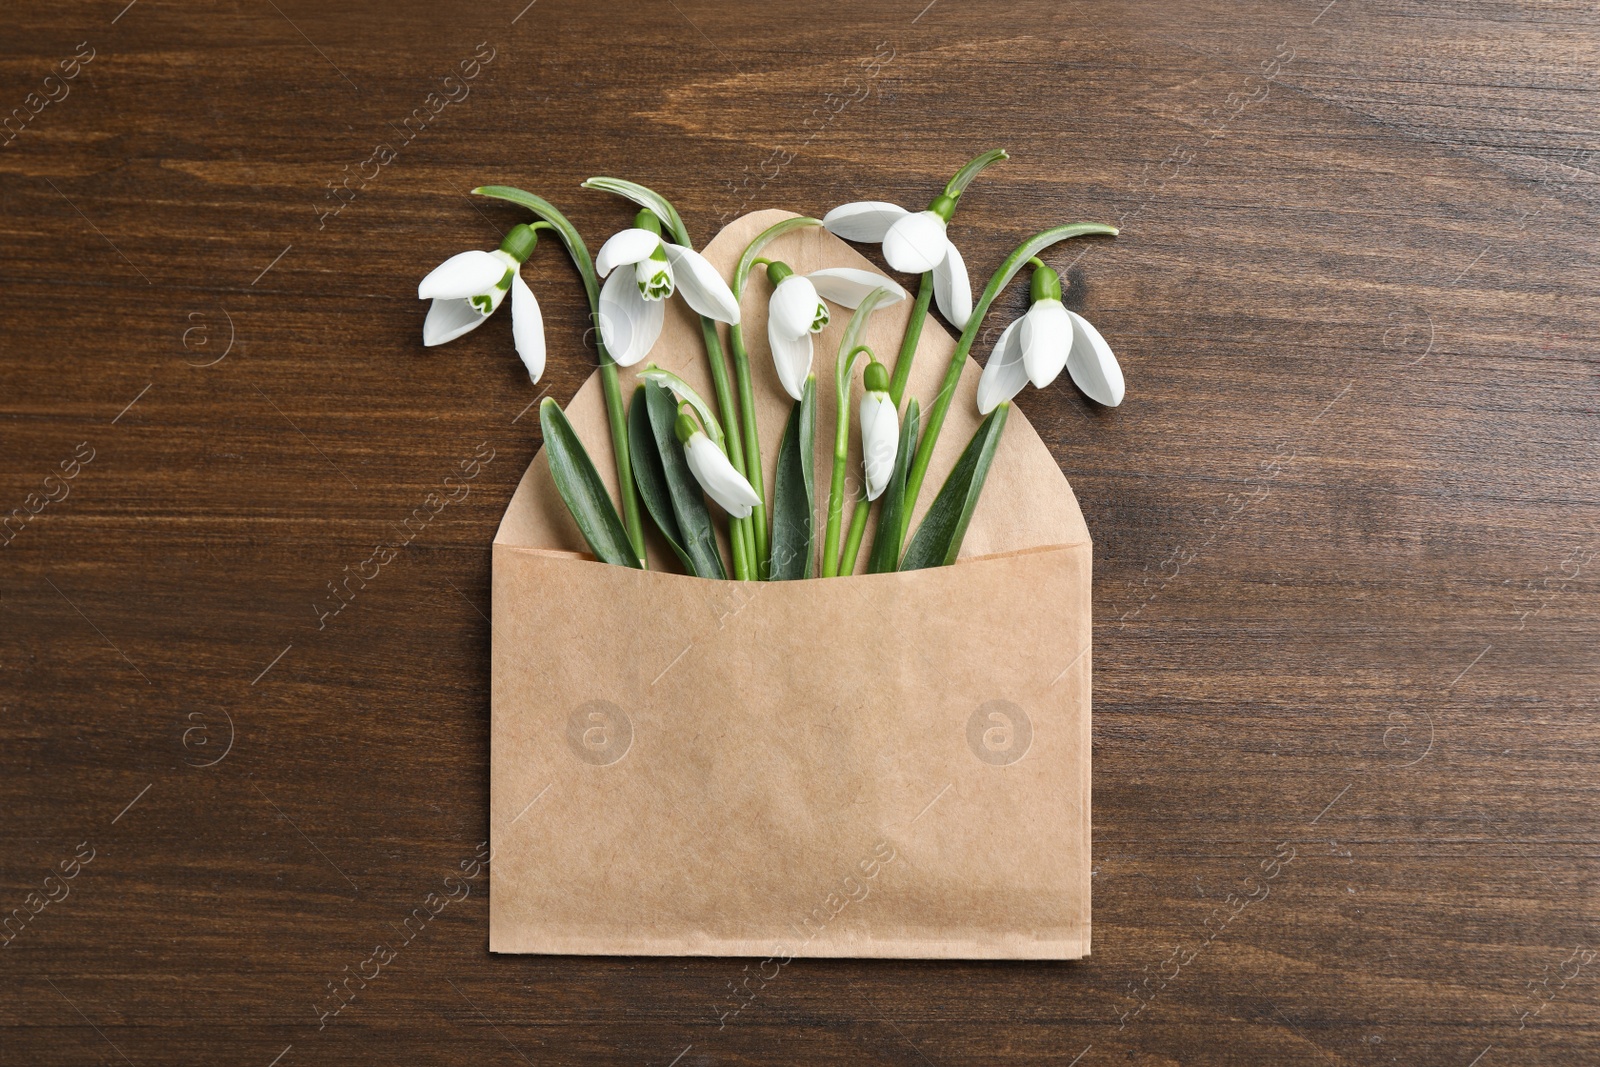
x: 891, y: 528
x: 685, y: 392
x: 580, y: 486
x: 651, y: 478
x: 687, y: 501
x: 741, y: 273
x: 646, y: 198
x: 974, y: 167
x: 794, y: 534
x: 938, y: 539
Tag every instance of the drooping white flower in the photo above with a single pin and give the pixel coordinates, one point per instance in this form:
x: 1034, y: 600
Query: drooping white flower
x: 880, y: 430
x: 798, y: 308
x: 913, y: 241
x: 469, y: 286
x: 1045, y: 339
x: 631, y: 311
x: 713, y: 470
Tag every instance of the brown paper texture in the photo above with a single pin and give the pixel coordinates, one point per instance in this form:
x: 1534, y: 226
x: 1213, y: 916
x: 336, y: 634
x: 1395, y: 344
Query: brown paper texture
x: 881, y: 765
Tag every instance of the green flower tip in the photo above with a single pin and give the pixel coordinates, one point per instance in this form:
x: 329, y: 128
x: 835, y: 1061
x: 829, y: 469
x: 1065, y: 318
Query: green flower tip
x: 1046, y: 283
x: 520, y: 242
x: 777, y: 271
x: 647, y: 220
x: 685, y: 427
x: 876, y: 378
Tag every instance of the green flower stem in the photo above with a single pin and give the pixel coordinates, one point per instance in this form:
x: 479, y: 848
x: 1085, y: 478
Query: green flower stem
x: 618, y: 419
x: 908, y: 347
x: 740, y: 538
x: 952, y: 376
x: 752, y: 449
x: 747, y: 402
x: 852, y: 538
x: 844, y: 369
x: 610, y: 385
x: 841, y: 454
x: 897, y: 388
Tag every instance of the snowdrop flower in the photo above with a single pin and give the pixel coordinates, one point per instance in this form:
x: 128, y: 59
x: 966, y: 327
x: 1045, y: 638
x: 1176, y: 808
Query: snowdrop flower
x: 712, y: 468
x: 632, y: 300
x: 1047, y: 338
x: 799, y: 308
x: 880, y: 430
x: 466, y: 288
x: 913, y: 241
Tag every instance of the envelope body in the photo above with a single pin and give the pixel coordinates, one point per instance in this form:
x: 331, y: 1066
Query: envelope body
x: 889, y: 765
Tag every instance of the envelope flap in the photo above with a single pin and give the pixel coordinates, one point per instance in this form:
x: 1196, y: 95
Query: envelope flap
x: 1026, y: 502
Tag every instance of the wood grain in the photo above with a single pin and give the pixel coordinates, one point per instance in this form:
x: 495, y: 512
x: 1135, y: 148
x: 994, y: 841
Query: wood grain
x: 1347, y: 520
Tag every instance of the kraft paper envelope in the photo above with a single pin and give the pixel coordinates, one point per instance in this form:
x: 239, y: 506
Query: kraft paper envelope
x: 878, y: 765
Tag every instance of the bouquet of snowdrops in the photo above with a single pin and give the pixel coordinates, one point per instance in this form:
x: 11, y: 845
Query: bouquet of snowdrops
x: 673, y: 449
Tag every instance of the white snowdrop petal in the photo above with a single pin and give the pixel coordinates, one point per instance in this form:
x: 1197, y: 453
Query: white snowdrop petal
x: 951, y: 287
x: 865, y: 220
x: 880, y: 440
x: 628, y: 246
x: 916, y: 243
x: 629, y: 324
x: 701, y: 285
x: 791, y: 357
x: 463, y: 274
x: 1093, y: 367
x: 449, y: 319
x: 1046, y: 339
x: 848, y: 286
x: 1004, y: 375
x: 793, y: 306
x: 527, y: 327
x: 714, y: 472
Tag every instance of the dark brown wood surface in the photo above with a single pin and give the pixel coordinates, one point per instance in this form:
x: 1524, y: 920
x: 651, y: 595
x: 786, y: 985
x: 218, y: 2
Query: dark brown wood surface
x: 1346, y: 522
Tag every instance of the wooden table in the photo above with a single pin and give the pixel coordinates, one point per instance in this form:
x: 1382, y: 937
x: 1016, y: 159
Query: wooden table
x: 1346, y: 522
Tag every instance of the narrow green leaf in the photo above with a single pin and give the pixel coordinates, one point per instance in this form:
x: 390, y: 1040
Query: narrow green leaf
x: 886, y: 542
x: 741, y: 273
x: 794, y: 534
x: 667, y: 380
x: 688, y: 502
x: 580, y: 486
x: 651, y: 478
x: 974, y: 167
x: 649, y: 198
x: 938, y: 539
